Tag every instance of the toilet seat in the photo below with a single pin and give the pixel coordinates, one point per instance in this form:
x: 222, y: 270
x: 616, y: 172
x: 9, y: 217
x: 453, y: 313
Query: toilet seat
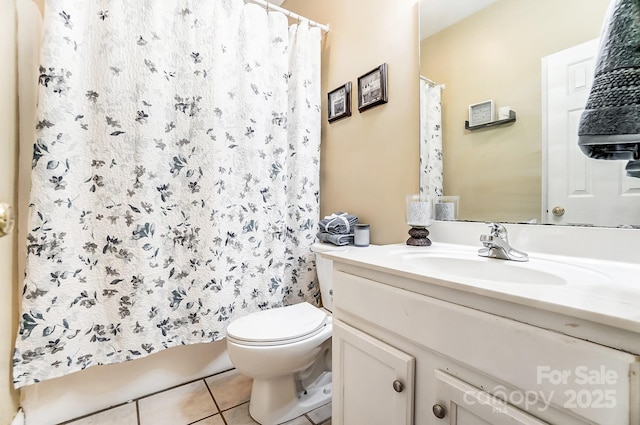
x: 278, y: 326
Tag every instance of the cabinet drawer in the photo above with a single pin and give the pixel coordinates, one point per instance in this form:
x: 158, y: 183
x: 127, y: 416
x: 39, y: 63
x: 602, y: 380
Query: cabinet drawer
x: 570, y: 372
x: 466, y: 404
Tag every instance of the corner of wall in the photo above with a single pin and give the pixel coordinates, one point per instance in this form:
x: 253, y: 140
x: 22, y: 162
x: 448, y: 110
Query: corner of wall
x: 8, y: 153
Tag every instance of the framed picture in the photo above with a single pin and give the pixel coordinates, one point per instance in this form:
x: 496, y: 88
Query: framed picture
x: 481, y: 113
x: 339, y: 102
x: 372, y: 88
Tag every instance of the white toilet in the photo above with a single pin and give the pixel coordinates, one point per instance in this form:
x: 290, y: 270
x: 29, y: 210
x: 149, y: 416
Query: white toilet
x: 287, y: 352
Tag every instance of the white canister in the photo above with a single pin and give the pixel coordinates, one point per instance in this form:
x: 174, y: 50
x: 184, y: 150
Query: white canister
x: 504, y: 112
x: 361, y: 235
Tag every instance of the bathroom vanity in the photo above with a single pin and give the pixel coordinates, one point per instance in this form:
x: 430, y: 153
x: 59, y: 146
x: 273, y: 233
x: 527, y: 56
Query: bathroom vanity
x: 439, y: 335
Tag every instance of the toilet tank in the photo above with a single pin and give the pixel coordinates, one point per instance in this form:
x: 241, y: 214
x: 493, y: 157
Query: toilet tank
x: 324, y: 268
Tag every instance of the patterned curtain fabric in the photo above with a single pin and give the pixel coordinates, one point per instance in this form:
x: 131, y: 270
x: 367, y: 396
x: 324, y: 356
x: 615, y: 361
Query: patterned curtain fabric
x: 430, y: 140
x: 175, y: 178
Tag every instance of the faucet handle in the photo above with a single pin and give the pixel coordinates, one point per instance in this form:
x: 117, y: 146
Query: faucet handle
x: 497, y: 229
x: 496, y: 244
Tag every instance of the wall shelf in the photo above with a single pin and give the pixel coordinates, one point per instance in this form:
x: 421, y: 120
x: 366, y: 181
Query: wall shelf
x: 512, y: 118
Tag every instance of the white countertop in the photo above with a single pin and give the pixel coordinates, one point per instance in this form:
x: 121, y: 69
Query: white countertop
x: 600, y: 291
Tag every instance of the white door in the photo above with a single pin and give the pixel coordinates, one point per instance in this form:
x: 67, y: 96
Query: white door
x: 373, y: 382
x: 580, y: 189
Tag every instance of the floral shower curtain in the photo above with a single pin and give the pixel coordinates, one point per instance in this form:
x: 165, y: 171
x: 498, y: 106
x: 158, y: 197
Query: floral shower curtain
x: 430, y: 140
x: 175, y: 178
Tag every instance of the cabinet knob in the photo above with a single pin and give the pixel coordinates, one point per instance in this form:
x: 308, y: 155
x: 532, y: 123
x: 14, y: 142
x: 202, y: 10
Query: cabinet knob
x: 397, y: 386
x: 439, y: 411
x: 6, y: 219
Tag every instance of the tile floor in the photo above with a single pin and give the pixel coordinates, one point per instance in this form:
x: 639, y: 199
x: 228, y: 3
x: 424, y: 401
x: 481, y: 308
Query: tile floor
x: 221, y: 399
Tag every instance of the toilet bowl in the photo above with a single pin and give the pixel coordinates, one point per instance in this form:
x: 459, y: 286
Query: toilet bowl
x: 287, y: 352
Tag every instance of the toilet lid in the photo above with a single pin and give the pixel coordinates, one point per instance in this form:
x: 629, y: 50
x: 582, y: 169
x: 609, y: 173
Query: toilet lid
x: 278, y: 324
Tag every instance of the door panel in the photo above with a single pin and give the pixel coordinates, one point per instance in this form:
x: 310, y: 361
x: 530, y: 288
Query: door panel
x: 377, y: 380
x: 585, y: 190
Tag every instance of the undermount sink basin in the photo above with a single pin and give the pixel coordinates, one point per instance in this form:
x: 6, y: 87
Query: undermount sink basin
x: 470, y: 266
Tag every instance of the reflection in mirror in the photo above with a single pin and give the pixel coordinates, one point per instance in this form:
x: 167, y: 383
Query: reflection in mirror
x: 520, y: 54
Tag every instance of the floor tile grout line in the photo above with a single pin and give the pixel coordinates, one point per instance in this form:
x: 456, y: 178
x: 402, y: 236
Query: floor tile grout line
x: 234, y: 406
x: 184, y: 383
x: 115, y: 406
x: 206, y: 417
x: 209, y: 389
x: 146, y: 396
x: 214, y: 399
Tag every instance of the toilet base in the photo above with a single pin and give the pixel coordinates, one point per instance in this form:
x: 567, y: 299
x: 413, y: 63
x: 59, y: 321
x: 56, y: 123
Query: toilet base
x: 278, y: 400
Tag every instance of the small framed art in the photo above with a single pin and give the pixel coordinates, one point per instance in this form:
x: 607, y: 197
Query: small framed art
x: 339, y: 102
x: 372, y: 88
x: 481, y: 113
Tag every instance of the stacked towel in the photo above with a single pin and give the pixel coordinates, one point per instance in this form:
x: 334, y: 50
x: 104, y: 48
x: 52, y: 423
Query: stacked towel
x: 337, y: 228
x: 339, y: 240
x: 610, y: 124
x: 339, y: 223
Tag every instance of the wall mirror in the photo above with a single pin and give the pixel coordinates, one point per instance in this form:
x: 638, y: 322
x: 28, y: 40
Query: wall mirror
x: 515, y: 52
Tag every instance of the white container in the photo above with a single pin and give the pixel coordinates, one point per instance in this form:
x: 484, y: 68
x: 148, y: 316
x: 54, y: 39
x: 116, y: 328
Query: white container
x: 503, y: 112
x: 446, y: 208
x: 418, y: 211
x: 361, y: 235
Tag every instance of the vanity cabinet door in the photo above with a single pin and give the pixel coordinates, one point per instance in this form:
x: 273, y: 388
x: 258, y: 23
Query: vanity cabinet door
x: 462, y: 404
x: 373, y: 381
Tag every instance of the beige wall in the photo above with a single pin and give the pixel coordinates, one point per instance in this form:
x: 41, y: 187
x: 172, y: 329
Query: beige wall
x: 369, y: 160
x: 8, y: 143
x: 496, y: 54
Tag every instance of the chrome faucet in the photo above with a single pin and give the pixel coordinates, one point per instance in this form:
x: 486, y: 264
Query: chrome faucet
x: 496, y: 245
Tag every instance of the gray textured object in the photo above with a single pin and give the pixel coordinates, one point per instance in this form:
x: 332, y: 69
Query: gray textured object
x: 610, y: 124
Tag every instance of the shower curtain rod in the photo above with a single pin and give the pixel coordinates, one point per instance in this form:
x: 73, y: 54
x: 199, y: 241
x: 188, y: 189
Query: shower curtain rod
x: 290, y: 14
x: 431, y: 82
